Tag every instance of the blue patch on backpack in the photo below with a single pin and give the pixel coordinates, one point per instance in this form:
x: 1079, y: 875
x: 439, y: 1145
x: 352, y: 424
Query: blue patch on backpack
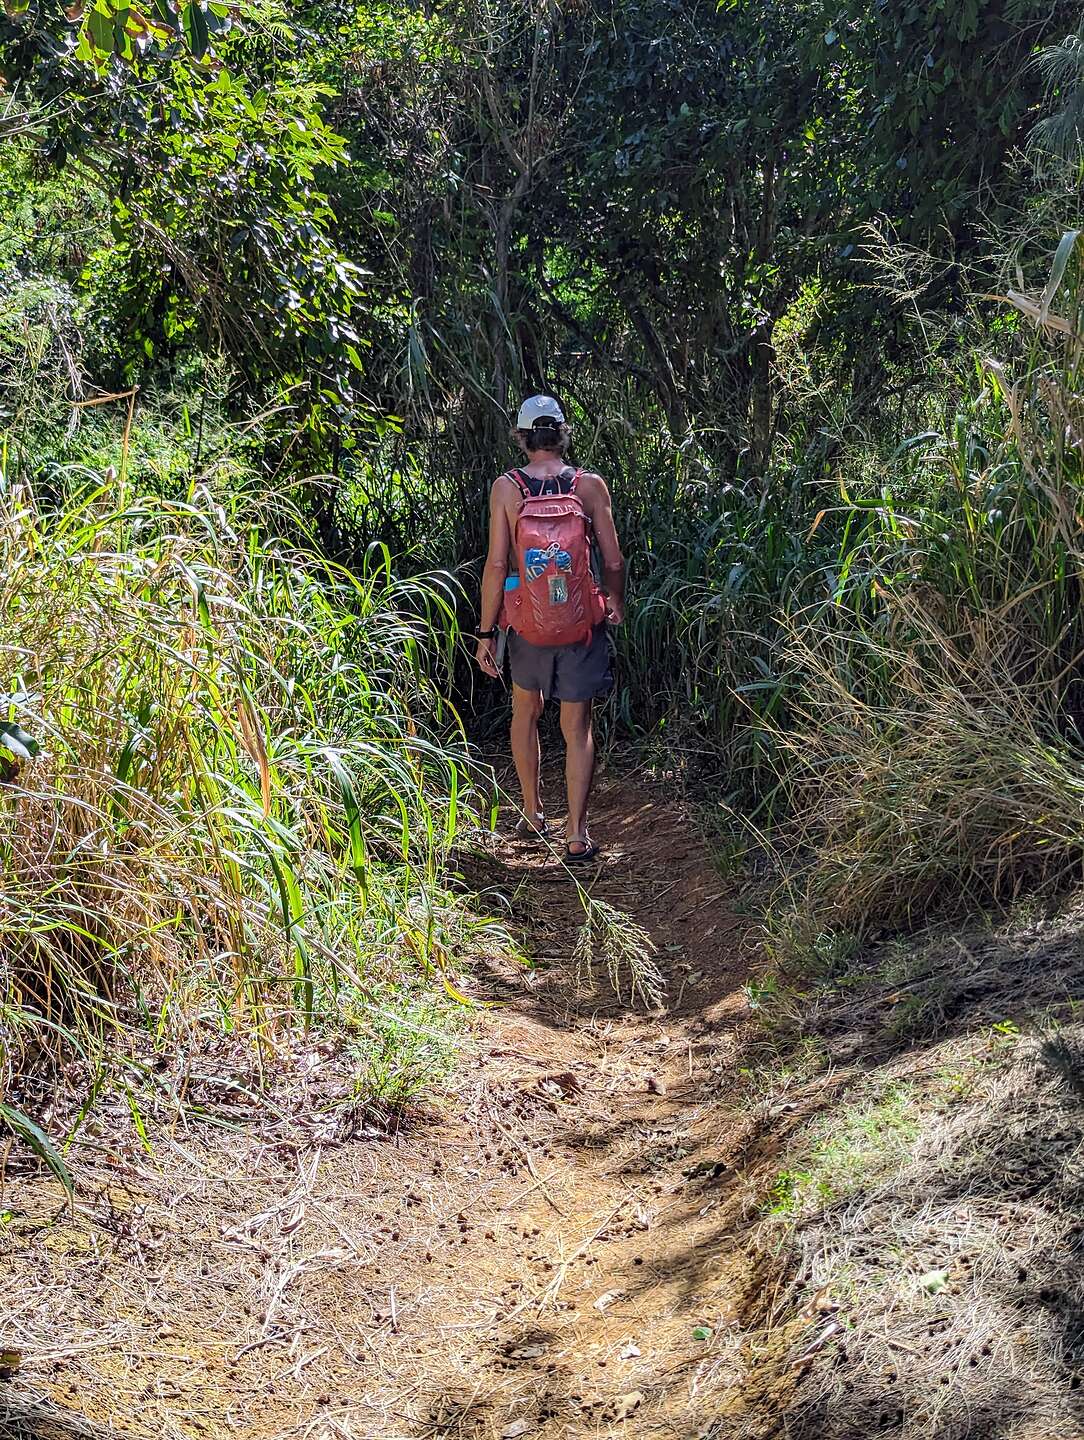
x: 535, y: 561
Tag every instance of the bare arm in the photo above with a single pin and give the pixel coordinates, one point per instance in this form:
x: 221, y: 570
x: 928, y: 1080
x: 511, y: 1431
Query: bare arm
x: 597, y: 503
x: 494, y: 573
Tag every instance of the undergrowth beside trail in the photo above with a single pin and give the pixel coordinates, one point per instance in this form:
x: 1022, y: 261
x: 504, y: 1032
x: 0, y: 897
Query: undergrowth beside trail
x: 926, y: 749
x: 915, y: 1235
x: 229, y: 786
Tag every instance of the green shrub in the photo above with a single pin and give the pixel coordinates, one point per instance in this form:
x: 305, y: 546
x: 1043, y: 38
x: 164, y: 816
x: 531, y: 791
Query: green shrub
x: 228, y: 778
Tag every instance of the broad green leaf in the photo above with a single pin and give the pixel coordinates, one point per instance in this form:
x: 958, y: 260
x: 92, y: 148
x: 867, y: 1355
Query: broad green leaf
x: 359, y: 858
x: 121, y: 41
x: 36, y: 1140
x: 196, y: 31
x: 1062, y: 256
x: 15, y: 739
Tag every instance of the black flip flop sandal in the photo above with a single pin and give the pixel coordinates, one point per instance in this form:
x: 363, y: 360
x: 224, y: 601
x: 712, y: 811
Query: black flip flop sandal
x: 524, y: 830
x: 580, y: 857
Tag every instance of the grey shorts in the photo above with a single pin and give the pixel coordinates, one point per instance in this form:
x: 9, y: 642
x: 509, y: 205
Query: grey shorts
x: 564, y: 672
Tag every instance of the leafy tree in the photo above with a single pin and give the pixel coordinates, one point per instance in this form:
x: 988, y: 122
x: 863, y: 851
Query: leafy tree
x: 640, y: 200
x: 392, y: 211
x: 212, y: 150
x: 43, y: 37
x: 943, y: 90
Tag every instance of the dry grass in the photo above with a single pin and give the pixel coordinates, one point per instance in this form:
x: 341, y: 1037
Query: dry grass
x: 923, y: 1219
x: 953, y: 785
x: 612, y: 938
x: 953, y: 1285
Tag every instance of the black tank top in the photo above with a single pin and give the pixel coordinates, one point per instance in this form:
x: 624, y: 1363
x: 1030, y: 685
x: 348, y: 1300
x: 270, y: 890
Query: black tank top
x: 559, y: 484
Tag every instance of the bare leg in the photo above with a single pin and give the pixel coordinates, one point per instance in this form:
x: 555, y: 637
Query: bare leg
x: 579, y: 764
x: 526, y: 712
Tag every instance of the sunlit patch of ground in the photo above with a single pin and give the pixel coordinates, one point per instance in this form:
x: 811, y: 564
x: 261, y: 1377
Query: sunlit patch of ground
x: 840, y: 1209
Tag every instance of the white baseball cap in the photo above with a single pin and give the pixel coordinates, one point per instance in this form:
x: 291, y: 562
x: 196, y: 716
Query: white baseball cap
x: 539, y: 407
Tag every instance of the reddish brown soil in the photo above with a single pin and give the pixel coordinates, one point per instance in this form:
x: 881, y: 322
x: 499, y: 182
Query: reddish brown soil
x: 545, y: 1252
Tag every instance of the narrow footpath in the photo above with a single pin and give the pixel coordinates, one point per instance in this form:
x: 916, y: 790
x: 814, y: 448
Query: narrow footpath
x: 547, y: 1252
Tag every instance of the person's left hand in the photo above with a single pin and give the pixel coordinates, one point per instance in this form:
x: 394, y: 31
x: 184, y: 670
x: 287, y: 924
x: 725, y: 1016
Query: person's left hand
x: 615, y: 611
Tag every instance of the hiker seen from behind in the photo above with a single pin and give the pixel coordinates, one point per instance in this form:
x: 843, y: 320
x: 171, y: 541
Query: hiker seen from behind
x: 554, y: 580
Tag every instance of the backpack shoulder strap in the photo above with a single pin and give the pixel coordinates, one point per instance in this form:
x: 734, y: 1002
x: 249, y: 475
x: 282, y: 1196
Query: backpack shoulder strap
x: 517, y: 480
x: 575, y: 480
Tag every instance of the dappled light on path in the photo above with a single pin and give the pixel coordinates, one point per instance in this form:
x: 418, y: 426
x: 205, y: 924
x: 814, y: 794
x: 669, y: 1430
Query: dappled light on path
x: 538, y: 1253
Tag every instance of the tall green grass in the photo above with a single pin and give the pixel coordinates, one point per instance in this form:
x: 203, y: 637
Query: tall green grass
x: 228, y: 780
x: 880, y: 636
x: 934, y: 753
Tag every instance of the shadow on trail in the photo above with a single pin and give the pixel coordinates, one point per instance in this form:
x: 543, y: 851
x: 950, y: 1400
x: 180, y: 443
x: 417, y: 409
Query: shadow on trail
x: 24, y: 1418
x: 708, y: 1264
x: 617, y: 1105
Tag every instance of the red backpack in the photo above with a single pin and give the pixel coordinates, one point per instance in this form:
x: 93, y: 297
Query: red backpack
x: 557, y: 600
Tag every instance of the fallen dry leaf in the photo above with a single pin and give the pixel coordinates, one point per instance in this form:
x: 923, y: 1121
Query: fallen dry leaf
x: 624, y: 1405
x: 821, y: 1304
x: 630, y: 1351
x: 517, y: 1427
x: 607, y: 1299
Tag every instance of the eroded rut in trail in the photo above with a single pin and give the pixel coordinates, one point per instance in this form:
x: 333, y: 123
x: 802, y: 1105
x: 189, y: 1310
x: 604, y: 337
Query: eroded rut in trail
x: 546, y: 1253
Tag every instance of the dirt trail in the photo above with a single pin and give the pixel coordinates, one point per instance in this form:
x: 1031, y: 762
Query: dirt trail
x: 544, y: 1254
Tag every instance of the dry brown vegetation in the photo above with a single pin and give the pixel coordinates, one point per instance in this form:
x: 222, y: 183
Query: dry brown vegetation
x: 926, y: 1208
x: 840, y: 1204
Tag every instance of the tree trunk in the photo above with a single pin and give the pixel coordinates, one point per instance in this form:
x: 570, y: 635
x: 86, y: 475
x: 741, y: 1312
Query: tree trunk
x: 762, y: 406
x: 663, y: 372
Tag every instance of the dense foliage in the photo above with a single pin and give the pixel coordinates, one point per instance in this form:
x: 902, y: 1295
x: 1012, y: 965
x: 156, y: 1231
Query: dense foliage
x: 767, y: 255
x: 634, y: 210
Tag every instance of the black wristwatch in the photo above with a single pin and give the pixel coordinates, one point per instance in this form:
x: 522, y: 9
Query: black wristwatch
x: 487, y: 634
